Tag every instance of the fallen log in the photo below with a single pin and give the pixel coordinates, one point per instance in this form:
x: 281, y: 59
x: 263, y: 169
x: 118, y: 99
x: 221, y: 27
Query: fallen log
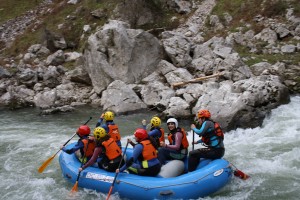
x: 194, y: 80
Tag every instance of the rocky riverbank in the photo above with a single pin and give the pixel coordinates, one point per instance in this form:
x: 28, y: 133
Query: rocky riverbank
x: 127, y: 70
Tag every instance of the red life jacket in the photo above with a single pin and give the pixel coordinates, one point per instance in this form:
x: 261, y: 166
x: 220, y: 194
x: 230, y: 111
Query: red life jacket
x: 184, y: 141
x: 114, y: 132
x: 206, y: 138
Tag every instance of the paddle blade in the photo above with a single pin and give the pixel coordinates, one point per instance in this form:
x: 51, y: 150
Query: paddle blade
x: 110, y: 190
x: 75, y: 188
x: 45, y: 164
x: 241, y: 174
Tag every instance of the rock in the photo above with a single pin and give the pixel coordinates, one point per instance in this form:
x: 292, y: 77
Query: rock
x: 120, y: 98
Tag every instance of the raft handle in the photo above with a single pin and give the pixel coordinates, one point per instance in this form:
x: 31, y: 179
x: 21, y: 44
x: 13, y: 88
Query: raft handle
x: 166, y: 193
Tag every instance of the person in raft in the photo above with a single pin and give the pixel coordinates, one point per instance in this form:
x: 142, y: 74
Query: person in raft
x: 212, y: 138
x: 144, y: 160
x: 156, y: 131
x: 107, y: 149
x: 178, y: 143
x: 106, y: 121
x: 84, y: 147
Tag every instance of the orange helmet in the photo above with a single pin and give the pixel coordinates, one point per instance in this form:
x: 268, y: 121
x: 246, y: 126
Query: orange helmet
x: 204, y: 113
x: 83, y: 130
x: 140, y: 134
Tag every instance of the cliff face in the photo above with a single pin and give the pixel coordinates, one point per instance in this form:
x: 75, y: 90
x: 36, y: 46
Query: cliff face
x: 129, y: 62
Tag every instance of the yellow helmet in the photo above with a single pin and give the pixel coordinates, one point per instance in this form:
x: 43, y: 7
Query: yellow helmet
x: 109, y: 116
x: 99, y: 133
x: 155, y: 121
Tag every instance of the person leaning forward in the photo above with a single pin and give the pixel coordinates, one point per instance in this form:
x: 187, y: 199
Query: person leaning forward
x: 107, y: 149
x: 144, y: 160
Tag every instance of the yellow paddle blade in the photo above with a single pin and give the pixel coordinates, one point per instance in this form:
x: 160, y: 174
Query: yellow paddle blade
x: 45, y: 164
x: 75, y: 188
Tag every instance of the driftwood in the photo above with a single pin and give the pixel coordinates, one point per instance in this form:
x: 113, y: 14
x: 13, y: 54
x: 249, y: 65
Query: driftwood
x: 194, y: 80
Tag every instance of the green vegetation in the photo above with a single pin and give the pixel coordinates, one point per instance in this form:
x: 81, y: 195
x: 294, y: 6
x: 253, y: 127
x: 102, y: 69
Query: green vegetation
x: 253, y: 58
x: 12, y: 8
x: 244, y: 12
x: 73, y: 18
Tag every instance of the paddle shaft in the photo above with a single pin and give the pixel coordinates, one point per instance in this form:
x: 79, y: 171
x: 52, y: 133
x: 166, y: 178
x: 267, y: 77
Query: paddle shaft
x: 113, y: 183
x: 72, y: 137
x: 75, y: 134
x: 194, y: 80
x: 75, y: 187
x: 193, y: 140
x: 47, y: 162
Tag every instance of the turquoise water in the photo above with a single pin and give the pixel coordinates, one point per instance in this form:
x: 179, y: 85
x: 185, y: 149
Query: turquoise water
x: 269, y: 154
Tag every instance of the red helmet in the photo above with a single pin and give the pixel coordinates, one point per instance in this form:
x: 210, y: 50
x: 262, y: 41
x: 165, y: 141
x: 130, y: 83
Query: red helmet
x: 83, y: 130
x: 140, y: 134
x: 204, y: 113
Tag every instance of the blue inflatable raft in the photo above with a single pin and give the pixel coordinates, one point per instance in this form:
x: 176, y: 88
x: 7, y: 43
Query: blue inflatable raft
x: 210, y: 176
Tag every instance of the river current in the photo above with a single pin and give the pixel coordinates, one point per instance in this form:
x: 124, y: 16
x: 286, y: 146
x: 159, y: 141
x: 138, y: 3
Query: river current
x: 270, y: 154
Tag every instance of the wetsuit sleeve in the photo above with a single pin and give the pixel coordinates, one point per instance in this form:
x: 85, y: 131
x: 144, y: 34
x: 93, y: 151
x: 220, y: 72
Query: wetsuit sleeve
x: 100, y: 120
x: 105, y: 127
x: 138, y: 148
x: 178, y: 140
x: 78, y: 145
x: 97, y: 152
x: 202, y: 130
x: 155, y: 133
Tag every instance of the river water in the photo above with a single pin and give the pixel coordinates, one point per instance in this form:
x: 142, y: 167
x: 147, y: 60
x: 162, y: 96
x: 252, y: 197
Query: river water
x: 269, y: 154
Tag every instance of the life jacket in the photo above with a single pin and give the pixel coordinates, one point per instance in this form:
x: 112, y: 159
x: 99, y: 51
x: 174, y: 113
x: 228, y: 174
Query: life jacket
x: 88, y: 148
x: 217, y: 132
x: 114, y: 132
x: 112, y: 150
x: 184, y: 141
x: 149, y: 152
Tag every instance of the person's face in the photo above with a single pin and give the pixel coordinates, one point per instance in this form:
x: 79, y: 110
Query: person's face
x: 200, y: 120
x: 136, y: 139
x: 171, y: 125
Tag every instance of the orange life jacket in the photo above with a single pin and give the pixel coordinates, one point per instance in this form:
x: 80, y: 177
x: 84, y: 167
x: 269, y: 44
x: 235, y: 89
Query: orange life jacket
x: 88, y: 148
x: 184, y: 141
x: 149, y: 152
x: 114, y: 132
x: 112, y: 150
x: 206, y: 138
x: 162, y: 137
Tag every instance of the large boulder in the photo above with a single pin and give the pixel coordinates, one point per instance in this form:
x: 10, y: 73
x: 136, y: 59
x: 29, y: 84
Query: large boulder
x: 244, y: 103
x: 116, y: 52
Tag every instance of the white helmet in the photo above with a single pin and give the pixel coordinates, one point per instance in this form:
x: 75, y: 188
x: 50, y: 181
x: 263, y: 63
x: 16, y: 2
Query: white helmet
x: 174, y: 121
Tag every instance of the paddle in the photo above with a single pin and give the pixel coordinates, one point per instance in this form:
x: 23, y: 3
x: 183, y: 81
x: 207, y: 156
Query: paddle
x: 112, y: 185
x: 75, y: 187
x: 193, y: 140
x: 239, y: 173
x: 47, y: 162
